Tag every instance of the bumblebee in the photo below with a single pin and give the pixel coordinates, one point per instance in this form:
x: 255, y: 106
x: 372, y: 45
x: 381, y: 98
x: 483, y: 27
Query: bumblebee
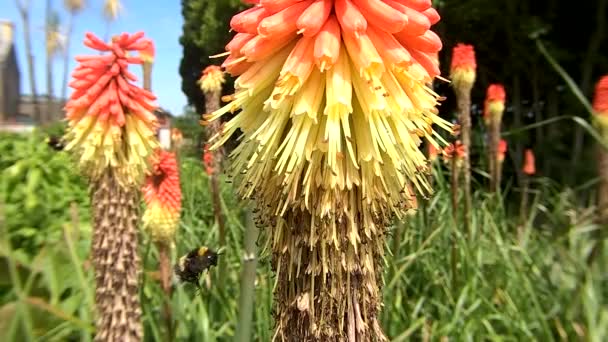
x: 56, y: 143
x: 191, y: 266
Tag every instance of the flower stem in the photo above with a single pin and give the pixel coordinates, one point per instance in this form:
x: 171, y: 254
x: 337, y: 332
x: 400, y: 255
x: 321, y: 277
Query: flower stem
x: 247, y: 296
x: 116, y: 260
x: 464, y: 118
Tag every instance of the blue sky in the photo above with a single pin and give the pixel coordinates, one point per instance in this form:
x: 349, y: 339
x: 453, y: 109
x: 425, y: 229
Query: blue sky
x: 162, y: 23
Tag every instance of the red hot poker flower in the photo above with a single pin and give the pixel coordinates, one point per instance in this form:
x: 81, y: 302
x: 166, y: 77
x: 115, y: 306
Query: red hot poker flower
x: 529, y: 164
x: 494, y: 104
x: 163, y: 198
x: 502, y: 150
x: 106, y: 110
x: 463, y: 67
x: 600, y: 100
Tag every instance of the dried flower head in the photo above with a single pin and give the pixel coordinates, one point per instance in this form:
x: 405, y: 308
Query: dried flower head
x: 163, y: 198
x: 111, y: 124
x: 529, y: 164
x: 212, y: 79
x: 464, y: 67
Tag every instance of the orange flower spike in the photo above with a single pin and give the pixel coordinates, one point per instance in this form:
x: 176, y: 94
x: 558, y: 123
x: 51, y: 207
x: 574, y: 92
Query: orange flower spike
x: 382, y: 15
x: 529, y: 164
x: 600, y: 105
x: 283, y: 22
x: 494, y: 105
x: 248, y: 20
x: 463, y: 68
x: 105, y: 110
x: 350, y: 18
x: 163, y: 196
x: 314, y: 18
x: 502, y: 150
x: 600, y: 98
x: 327, y: 44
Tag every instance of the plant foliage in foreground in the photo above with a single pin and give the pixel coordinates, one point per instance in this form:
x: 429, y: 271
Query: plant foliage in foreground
x: 539, y: 288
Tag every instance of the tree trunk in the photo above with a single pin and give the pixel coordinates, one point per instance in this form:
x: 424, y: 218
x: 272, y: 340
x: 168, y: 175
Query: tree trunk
x: 25, y: 16
x: 116, y: 261
x: 586, y: 79
x: 49, y: 112
x: 66, y: 58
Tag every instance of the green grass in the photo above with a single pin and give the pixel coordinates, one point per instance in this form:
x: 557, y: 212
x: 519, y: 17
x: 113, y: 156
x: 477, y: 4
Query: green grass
x: 504, y: 288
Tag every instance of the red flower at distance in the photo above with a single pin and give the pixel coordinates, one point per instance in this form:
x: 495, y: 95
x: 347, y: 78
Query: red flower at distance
x: 163, y: 198
x: 494, y: 104
x: 208, y: 160
x: 529, y: 164
x: 600, y: 105
x: 454, y: 149
x: 211, y: 79
x: 600, y: 99
x: 111, y: 123
x: 463, y: 68
x: 502, y: 150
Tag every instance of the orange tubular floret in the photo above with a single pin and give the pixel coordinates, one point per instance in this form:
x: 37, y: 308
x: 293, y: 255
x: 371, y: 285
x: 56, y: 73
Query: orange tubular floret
x: 327, y: 44
x: 382, y: 15
x: 418, y: 5
x: 300, y: 61
x: 432, y: 15
x: 260, y: 47
x: 238, y: 41
x: 350, y: 18
x: 427, y: 62
x: 248, y: 20
x: 428, y: 42
x: 417, y: 23
x: 275, y: 6
x: 283, y: 22
x: 392, y: 51
x: 314, y: 17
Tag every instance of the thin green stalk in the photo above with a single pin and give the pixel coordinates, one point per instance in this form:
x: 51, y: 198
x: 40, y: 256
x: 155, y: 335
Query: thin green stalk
x: 248, y: 276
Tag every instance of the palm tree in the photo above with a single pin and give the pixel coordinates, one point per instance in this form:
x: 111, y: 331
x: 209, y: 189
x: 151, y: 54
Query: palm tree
x: 74, y: 7
x: 53, y: 43
x: 24, y: 10
x: 111, y: 9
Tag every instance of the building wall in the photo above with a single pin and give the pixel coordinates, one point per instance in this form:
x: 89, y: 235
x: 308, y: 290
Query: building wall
x: 9, y: 74
x: 11, y: 82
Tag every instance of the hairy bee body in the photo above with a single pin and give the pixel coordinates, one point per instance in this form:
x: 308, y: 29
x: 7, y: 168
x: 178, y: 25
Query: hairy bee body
x: 192, y: 265
x: 56, y: 143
